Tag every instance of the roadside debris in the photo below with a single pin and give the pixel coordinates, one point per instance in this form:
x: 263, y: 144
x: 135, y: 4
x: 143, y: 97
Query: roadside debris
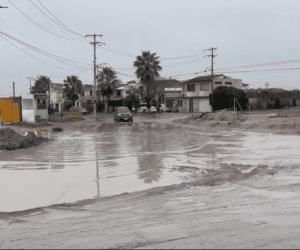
x: 219, y: 118
x: 10, y: 140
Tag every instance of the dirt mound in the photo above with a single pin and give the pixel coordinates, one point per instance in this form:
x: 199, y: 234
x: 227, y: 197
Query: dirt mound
x: 10, y: 140
x: 218, y: 118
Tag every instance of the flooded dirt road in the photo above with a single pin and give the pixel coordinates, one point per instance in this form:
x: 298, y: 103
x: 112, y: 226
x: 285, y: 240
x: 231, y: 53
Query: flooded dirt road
x: 232, y: 189
x: 115, y: 159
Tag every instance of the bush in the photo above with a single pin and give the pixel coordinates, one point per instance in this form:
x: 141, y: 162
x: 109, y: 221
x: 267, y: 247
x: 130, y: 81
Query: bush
x: 67, y: 105
x: 223, y: 97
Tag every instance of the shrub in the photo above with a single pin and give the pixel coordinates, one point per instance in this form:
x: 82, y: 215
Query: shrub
x: 223, y: 97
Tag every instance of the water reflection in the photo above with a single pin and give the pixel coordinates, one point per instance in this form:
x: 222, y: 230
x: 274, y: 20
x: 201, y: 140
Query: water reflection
x: 121, y: 158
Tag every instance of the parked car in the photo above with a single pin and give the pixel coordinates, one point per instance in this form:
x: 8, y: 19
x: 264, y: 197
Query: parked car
x: 122, y: 114
x: 153, y: 109
x: 143, y: 107
x: 79, y: 109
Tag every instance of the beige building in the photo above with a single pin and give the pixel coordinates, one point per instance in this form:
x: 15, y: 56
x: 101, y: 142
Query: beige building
x: 196, y: 91
x: 222, y: 80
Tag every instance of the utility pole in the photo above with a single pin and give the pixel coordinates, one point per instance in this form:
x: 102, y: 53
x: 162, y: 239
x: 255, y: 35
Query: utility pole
x: 14, y: 92
x: 212, y: 56
x: 267, y: 84
x: 30, y: 86
x: 94, y: 43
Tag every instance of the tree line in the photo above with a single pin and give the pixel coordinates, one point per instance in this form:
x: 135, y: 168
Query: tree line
x: 147, y: 67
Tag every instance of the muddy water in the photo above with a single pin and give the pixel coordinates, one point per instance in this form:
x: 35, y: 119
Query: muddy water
x: 115, y: 159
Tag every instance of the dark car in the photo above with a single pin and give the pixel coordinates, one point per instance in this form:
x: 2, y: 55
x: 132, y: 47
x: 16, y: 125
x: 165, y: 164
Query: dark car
x: 122, y: 114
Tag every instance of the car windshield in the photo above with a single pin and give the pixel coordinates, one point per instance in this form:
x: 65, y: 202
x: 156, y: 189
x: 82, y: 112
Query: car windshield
x: 123, y: 110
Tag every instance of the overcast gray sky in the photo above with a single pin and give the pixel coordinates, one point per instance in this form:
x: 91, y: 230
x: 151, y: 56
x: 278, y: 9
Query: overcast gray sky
x: 246, y: 32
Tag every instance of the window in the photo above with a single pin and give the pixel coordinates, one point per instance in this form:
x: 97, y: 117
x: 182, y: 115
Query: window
x: 118, y: 93
x: 191, y: 87
x: 218, y: 83
x: 204, y: 86
x: 91, y: 92
x: 228, y: 83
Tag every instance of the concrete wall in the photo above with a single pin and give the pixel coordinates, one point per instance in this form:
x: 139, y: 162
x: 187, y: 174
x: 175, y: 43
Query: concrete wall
x: 28, y: 116
x: 28, y: 111
x: 236, y: 83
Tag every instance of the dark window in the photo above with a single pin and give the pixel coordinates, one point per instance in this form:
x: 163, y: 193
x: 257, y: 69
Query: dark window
x: 91, y: 92
x: 218, y: 83
x: 41, y: 104
x: 118, y: 93
x: 191, y: 87
x: 228, y: 83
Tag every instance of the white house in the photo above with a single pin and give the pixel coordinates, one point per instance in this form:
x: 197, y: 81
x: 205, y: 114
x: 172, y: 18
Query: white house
x: 196, y: 91
x: 57, y: 96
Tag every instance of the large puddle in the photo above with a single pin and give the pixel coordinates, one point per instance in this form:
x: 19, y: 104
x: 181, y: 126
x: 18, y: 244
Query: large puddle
x: 115, y: 159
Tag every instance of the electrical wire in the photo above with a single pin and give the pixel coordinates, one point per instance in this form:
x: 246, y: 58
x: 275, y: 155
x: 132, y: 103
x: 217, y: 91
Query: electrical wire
x: 258, y: 70
x: 31, y: 56
x: 181, y: 57
x: 59, y: 21
x: 46, y: 53
x: 263, y: 64
x: 37, y: 24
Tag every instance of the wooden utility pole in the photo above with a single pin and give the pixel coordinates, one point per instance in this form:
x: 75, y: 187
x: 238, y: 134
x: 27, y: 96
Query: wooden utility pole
x: 14, y: 91
x: 267, y: 84
x: 212, y: 56
x: 94, y: 43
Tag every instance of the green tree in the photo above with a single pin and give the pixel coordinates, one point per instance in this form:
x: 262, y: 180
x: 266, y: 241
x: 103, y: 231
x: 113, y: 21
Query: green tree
x: 72, y: 88
x: 223, y: 97
x: 147, y: 69
x: 41, y: 85
x: 132, y: 100
x: 108, y: 81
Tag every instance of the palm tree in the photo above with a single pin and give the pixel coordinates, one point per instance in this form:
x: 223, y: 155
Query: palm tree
x: 108, y: 81
x: 72, y: 88
x: 147, y: 69
x: 41, y: 85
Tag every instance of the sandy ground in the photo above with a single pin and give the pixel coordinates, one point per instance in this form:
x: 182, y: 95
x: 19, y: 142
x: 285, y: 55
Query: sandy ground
x: 239, y: 208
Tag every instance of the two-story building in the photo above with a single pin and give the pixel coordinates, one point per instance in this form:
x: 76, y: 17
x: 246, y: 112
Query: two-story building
x: 195, y: 94
x: 196, y: 91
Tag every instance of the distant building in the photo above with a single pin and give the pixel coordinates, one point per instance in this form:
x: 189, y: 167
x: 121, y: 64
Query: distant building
x: 57, y: 96
x: 272, y: 98
x: 196, y: 91
x: 222, y: 80
x: 195, y: 94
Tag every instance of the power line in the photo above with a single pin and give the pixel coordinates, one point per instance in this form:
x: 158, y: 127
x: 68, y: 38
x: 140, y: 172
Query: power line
x: 58, y: 20
x: 37, y: 24
x: 182, y: 57
x: 263, y: 64
x: 259, y: 70
x: 46, y: 53
x: 132, y: 55
x: 31, y: 56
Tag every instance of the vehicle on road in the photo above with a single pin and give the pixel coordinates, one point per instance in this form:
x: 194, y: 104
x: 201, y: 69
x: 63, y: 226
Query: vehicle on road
x: 78, y: 109
x: 122, y: 114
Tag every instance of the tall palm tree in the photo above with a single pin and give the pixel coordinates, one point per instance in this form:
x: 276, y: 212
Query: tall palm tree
x: 108, y: 81
x: 72, y: 87
x: 147, y: 68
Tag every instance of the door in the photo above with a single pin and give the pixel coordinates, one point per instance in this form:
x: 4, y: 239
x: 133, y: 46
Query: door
x: 191, y: 105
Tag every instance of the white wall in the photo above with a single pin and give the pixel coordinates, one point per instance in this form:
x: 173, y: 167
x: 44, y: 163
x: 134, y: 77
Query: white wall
x: 204, y: 105
x: 28, y: 116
